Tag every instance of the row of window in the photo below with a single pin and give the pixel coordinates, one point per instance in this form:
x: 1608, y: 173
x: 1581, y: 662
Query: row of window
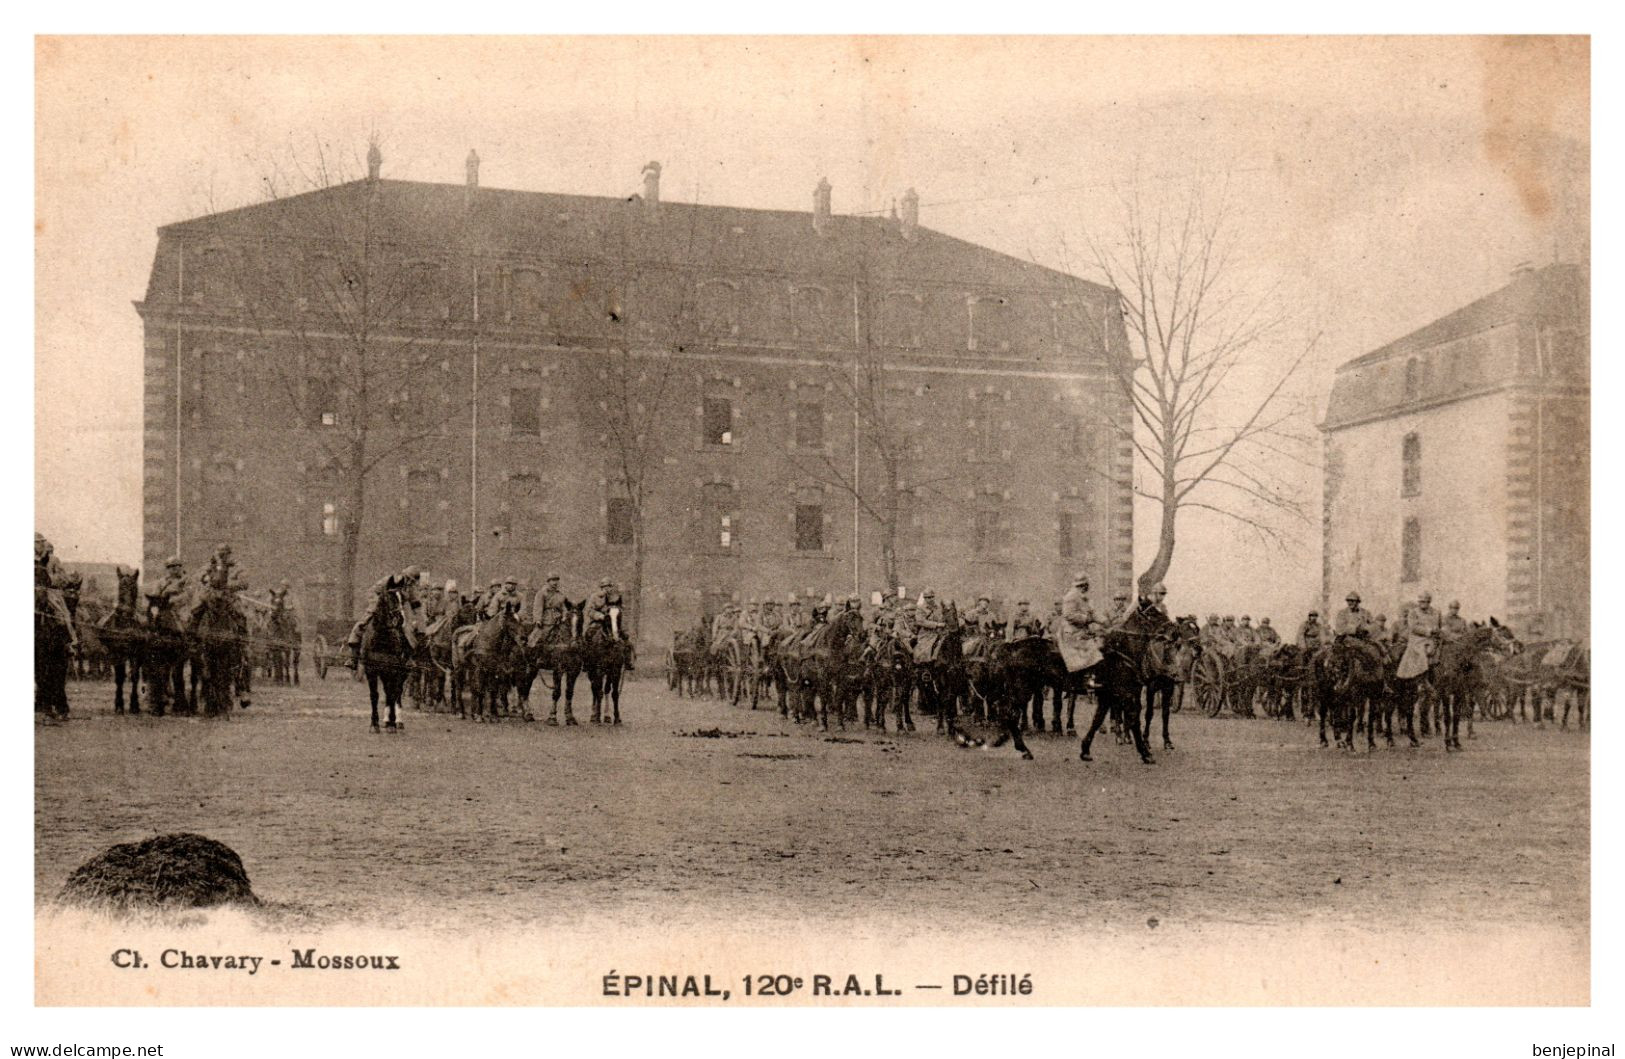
x: 521, y: 522
x: 581, y: 300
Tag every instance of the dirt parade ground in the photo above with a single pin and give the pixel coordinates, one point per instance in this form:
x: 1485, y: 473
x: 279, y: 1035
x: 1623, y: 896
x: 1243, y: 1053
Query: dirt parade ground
x: 697, y: 815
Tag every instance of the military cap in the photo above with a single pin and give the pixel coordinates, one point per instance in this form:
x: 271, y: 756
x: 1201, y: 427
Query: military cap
x: 1352, y: 597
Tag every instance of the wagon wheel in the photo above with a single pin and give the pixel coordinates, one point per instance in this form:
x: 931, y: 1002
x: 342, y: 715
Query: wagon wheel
x: 1208, y: 678
x: 321, y: 655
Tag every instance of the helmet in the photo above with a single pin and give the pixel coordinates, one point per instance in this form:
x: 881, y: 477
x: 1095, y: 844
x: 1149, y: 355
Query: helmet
x: 510, y: 580
x: 1314, y: 614
x: 1080, y: 578
x: 283, y: 584
x: 1263, y: 621
x: 604, y: 582
x: 1352, y: 597
x: 1159, y: 590
x: 451, y: 586
x: 1426, y: 597
x: 1246, y: 617
x: 411, y: 573
x: 552, y: 577
x: 39, y: 538
x: 1455, y: 605
x: 928, y: 594
x: 1121, y: 597
x: 984, y: 599
x: 224, y: 549
x: 752, y: 601
x: 172, y: 562
x: 1381, y: 618
x: 1023, y: 602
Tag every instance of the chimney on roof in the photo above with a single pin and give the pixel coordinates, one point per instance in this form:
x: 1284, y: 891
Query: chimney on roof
x: 375, y: 160
x: 821, y: 206
x: 651, y: 190
x: 911, y: 213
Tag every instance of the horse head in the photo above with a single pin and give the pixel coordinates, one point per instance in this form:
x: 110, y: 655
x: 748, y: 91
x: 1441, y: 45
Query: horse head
x: 615, y: 620
x: 129, y: 590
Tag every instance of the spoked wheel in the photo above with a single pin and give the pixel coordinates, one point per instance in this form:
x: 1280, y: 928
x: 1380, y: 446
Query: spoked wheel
x: 671, y: 669
x: 322, y: 654
x: 1207, y: 677
x: 739, y: 671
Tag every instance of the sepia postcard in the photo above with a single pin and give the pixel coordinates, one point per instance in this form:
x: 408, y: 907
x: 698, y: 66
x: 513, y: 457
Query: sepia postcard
x: 865, y: 522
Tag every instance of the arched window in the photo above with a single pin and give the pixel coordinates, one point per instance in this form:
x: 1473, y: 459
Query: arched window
x: 1411, y: 458
x: 1413, y: 379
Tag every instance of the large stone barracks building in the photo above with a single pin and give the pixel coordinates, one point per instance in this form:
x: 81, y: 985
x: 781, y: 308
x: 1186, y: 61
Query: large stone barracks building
x: 519, y: 374
x: 1458, y: 461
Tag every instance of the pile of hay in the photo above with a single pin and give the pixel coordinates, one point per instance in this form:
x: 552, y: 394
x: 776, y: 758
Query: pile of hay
x: 168, y: 871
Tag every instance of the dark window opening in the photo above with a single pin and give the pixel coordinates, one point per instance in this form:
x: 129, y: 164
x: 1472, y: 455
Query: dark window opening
x: 619, y: 520
x: 717, y: 428
x: 525, y: 410
x: 1411, y: 551
x: 810, y: 425
x: 809, y: 527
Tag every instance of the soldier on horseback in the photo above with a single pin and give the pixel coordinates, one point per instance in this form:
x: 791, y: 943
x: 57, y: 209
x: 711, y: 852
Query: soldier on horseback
x: 1421, y: 628
x: 406, y: 583
x: 221, y: 584
x: 506, y: 598
x: 1024, y: 623
x: 1267, y: 636
x: 1454, y: 627
x: 49, y: 576
x: 928, y: 624
x: 598, y: 613
x: 1312, y: 635
x: 1078, y: 631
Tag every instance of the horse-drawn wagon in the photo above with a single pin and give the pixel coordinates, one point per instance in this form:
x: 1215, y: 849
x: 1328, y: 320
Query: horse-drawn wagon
x: 327, y: 647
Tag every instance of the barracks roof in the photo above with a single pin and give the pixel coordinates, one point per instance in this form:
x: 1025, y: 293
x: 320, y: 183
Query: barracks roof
x: 587, y: 227
x: 1372, y: 385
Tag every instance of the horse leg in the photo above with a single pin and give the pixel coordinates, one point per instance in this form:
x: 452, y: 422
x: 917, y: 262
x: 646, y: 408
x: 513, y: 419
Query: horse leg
x: 1167, y: 702
x: 615, y: 696
x: 1102, y: 708
x: 1141, y: 744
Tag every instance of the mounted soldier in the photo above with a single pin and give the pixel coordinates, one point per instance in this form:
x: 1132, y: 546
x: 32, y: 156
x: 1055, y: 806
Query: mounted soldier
x: 928, y: 625
x: 506, y: 598
x: 1246, y: 635
x: 599, y: 605
x: 978, y: 621
x: 795, y: 615
x: 1268, y: 638
x: 51, y: 580
x: 1079, y: 631
x: 221, y: 582
x: 1119, y: 612
x: 172, y: 594
x: 1454, y: 627
x: 547, y: 610
x: 451, y: 602
x: 406, y: 583
x: 1421, y: 630
x: 1312, y: 634
x: 1024, y: 623
x: 1159, y: 599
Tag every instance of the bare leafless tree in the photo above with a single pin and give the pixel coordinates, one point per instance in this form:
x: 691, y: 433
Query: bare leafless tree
x: 1211, y: 359
x: 355, y: 320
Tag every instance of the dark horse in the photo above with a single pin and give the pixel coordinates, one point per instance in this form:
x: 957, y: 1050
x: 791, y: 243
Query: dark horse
x: 282, y: 634
x: 52, y: 646
x: 558, y: 650
x: 124, y: 634
x: 1172, y: 656
x: 941, y: 680
x: 386, y: 656
x: 1128, y: 663
x: 1457, y: 679
x: 824, y: 667
x: 1348, y: 680
x: 604, y: 656
x: 493, y: 661
x: 218, y: 652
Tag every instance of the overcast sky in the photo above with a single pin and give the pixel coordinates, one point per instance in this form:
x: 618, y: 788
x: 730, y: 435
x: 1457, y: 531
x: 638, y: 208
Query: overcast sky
x: 1382, y: 182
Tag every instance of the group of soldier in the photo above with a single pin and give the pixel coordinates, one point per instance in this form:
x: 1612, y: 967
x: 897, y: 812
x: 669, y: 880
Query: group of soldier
x: 920, y: 621
x: 428, y: 609
x: 179, y: 600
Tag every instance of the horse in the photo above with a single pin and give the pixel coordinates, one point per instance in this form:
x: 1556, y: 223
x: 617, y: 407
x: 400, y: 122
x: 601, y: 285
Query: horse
x: 443, y: 655
x: 1017, y: 672
x: 941, y: 679
x: 823, y: 667
x: 493, y: 657
x: 386, y: 656
x: 1126, y: 665
x: 1348, y: 677
x: 282, y: 632
x: 1457, y: 678
x: 53, y: 639
x: 217, y: 637
x: 892, y: 669
x: 558, y: 650
x: 1172, y: 656
x: 125, y: 635
x: 604, y: 655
